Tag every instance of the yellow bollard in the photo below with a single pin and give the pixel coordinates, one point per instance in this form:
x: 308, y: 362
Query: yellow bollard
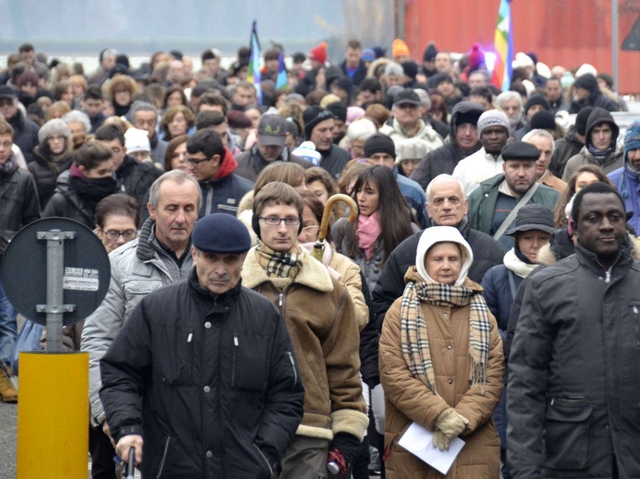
x: 53, y: 416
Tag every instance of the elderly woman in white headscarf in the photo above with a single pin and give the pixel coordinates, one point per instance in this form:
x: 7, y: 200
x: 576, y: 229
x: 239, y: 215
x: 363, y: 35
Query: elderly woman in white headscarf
x: 441, y: 362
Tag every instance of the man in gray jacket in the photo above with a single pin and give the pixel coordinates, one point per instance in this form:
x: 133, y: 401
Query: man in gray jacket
x: 574, y: 380
x: 160, y: 256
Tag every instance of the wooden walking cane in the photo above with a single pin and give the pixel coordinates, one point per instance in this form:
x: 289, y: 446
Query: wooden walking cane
x: 318, y: 247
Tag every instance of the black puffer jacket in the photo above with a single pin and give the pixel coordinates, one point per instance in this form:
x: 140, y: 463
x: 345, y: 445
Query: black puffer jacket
x: 18, y: 204
x: 486, y: 251
x: 45, y: 174
x: 574, y: 379
x: 334, y: 160
x: 444, y: 159
x: 135, y: 178
x: 25, y: 134
x: 221, y: 391
x: 565, y: 148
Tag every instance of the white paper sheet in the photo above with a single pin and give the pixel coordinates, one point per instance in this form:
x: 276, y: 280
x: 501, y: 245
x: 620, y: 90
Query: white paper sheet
x: 418, y: 441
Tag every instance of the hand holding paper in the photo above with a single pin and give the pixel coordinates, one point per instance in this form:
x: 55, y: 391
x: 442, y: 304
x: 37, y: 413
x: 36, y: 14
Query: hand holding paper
x: 419, y: 441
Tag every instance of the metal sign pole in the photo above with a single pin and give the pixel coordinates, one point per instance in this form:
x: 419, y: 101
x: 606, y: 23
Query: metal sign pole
x: 55, y: 272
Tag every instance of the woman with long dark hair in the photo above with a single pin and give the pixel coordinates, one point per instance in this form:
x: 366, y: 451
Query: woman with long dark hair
x: 384, y: 221
x: 90, y: 181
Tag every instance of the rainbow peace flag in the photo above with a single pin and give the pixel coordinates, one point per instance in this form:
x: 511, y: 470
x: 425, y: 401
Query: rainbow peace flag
x: 254, y: 62
x: 503, y: 47
x: 282, y: 79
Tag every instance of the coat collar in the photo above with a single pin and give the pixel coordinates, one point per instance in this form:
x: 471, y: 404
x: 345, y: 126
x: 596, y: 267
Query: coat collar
x: 313, y: 274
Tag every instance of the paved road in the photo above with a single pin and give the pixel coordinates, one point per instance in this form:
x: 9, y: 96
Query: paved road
x: 8, y: 429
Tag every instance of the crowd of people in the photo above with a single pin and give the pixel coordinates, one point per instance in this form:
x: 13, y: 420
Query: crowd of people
x: 481, y: 282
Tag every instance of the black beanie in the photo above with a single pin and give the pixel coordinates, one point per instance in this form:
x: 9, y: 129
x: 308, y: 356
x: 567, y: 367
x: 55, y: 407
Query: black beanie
x: 339, y: 110
x: 537, y: 100
x: 470, y: 117
x: 379, y: 143
x: 581, y: 120
x: 588, y: 82
x: 430, y: 52
x: 543, y: 120
x: 410, y: 69
x: 312, y: 116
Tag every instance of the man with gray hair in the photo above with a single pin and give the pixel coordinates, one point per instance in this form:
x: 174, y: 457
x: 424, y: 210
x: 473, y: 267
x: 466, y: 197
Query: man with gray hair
x: 159, y: 256
x: 243, y: 94
x: 543, y: 141
x: 446, y: 205
x: 510, y: 102
x: 144, y: 116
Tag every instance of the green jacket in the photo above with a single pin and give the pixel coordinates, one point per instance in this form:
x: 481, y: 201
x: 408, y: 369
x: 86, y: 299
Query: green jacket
x: 482, y: 202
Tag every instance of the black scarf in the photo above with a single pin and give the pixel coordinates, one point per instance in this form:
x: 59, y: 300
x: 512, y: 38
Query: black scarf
x: 120, y: 110
x: 8, y: 167
x: 92, y: 190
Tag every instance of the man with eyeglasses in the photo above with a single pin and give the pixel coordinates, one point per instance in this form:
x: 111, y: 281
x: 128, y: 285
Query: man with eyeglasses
x: 19, y: 206
x: 320, y: 317
x: 25, y: 131
x: 159, y: 256
x: 213, y: 165
x: 134, y: 177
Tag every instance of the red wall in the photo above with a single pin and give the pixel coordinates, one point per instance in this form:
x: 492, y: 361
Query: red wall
x: 560, y: 32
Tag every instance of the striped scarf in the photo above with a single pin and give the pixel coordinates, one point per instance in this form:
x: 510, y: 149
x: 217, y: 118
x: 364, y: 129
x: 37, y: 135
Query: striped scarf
x: 415, y: 339
x: 277, y: 264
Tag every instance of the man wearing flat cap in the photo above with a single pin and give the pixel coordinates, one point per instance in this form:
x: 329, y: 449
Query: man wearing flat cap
x: 494, y: 204
x: 202, y: 380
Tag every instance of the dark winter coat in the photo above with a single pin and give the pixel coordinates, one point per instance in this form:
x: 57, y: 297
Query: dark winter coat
x: 45, y: 175
x: 25, y: 134
x: 574, y: 380
x: 251, y: 163
x: 334, y: 160
x: 214, y: 390
x: 359, y: 75
x: 19, y: 204
x: 135, y: 178
x: 486, y: 251
x: 444, y: 159
x: 596, y: 99
x: 565, y: 148
x: 67, y: 204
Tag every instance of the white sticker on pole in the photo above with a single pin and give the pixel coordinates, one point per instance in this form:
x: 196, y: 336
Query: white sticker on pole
x: 80, y: 279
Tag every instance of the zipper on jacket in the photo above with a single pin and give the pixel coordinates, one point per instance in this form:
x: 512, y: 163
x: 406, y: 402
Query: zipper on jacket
x: 280, y: 297
x: 265, y: 459
x: 635, y: 314
x: 233, y: 364
x: 295, y: 373
x: 164, y: 457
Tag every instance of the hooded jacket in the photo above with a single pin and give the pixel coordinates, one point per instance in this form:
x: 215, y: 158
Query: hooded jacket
x: 573, y: 376
x: 445, y: 158
x: 408, y: 399
x: 584, y: 157
x: 320, y: 318
x: 627, y: 180
x: 565, y: 148
x: 180, y: 341
x: 595, y: 99
x: 135, y: 178
x: 223, y: 193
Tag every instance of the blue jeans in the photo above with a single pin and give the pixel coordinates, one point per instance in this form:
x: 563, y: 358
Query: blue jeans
x: 8, y: 326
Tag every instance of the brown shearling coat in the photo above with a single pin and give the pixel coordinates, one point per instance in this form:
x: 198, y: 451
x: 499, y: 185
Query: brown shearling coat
x: 408, y: 399
x: 320, y: 318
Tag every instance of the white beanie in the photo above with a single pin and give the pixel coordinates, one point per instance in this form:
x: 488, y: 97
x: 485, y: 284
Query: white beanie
x: 586, y: 68
x: 53, y: 127
x: 443, y: 234
x: 307, y: 150
x: 411, y: 149
x: 136, y: 140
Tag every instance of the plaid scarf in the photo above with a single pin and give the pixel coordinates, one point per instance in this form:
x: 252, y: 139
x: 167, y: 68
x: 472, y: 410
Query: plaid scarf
x: 277, y: 264
x: 415, y: 339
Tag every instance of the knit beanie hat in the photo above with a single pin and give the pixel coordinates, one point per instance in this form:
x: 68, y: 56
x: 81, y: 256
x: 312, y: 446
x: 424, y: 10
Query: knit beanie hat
x: 379, y: 51
x: 587, y: 81
x: 312, y: 116
x: 537, y: 100
x: 492, y: 118
x: 339, y: 110
x: 586, y: 68
x: 368, y: 55
x: 410, y: 69
x: 430, y: 52
x: 354, y: 113
x: 136, y: 140
x: 543, y: 120
x: 53, y: 127
x: 379, y: 143
x: 476, y: 56
x: 319, y: 53
x: 632, y: 138
x: 399, y: 47
x: 581, y: 120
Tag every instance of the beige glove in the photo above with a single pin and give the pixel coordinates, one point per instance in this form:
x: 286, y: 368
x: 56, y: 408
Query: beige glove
x: 440, y: 440
x: 451, y: 424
